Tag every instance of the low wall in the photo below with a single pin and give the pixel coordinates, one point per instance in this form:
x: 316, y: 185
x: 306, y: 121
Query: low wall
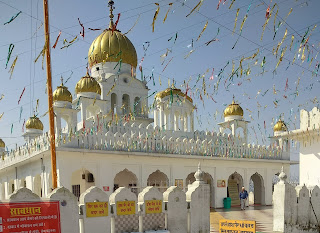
x: 173, y: 211
x: 295, y: 208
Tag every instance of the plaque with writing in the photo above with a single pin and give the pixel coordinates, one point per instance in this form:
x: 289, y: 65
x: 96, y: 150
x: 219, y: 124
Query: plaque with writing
x: 96, y: 209
x: 237, y: 226
x: 126, y: 207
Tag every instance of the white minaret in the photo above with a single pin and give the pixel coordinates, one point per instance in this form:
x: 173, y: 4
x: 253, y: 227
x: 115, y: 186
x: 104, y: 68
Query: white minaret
x: 233, y: 119
x: 62, y: 105
x: 174, y: 110
x: 113, y: 60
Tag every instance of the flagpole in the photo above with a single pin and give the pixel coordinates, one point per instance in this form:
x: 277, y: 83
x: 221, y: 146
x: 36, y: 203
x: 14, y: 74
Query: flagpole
x: 50, y: 98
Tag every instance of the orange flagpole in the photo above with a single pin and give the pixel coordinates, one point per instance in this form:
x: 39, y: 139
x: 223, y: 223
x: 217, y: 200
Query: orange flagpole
x: 50, y: 98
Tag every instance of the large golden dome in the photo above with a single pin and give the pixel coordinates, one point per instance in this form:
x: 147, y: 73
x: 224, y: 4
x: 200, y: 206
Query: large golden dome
x: 2, y: 144
x: 233, y: 110
x: 173, y: 91
x: 62, y: 94
x: 280, y: 126
x: 111, y: 47
x: 34, y: 123
x: 88, y: 84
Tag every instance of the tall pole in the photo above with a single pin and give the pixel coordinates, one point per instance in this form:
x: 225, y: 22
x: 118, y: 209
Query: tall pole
x: 50, y: 99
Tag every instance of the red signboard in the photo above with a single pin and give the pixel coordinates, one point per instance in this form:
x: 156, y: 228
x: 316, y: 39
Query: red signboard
x: 30, y: 217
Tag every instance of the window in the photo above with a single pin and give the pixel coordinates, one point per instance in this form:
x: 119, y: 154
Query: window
x: 76, y: 190
x: 12, y: 188
x: 90, y: 178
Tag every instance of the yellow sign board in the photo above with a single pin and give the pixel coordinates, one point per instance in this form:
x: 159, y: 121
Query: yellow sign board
x: 236, y: 226
x: 96, y: 209
x: 153, y: 207
x: 126, y: 207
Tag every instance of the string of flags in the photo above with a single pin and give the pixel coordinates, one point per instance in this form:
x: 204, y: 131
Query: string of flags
x: 243, y: 71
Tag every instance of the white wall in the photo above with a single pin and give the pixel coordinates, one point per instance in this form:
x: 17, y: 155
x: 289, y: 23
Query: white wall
x: 310, y: 164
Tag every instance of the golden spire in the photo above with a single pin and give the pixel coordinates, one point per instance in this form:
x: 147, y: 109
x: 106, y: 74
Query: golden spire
x: 61, y: 80
x: 110, y: 4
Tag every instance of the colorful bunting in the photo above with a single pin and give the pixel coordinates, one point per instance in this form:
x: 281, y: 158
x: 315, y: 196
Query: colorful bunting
x: 13, y: 18
x: 204, y: 28
x: 155, y: 16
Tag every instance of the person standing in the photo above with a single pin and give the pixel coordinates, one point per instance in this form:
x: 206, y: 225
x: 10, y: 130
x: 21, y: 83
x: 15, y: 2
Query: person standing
x: 243, y: 198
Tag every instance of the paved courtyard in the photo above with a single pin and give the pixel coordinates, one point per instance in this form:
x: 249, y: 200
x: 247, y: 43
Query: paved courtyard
x: 261, y: 214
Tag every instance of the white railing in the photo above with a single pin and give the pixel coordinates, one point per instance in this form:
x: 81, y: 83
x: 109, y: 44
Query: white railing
x: 148, y: 139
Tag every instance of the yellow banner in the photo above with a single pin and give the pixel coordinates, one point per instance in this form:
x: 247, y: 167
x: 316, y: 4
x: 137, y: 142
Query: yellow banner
x: 126, y: 207
x: 96, y: 209
x: 153, y: 207
x: 237, y: 226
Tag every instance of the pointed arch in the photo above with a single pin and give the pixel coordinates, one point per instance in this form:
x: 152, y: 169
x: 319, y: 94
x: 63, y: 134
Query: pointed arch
x: 158, y: 179
x: 235, y: 183
x: 127, y: 179
x: 258, y: 189
x: 81, y: 180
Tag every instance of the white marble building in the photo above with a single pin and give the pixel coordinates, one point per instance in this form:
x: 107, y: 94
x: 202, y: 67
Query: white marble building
x: 105, y: 137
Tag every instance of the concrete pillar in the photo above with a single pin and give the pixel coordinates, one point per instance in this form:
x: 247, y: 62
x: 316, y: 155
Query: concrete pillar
x: 283, y: 202
x: 186, y: 129
x: 171, y: 120
x: 155, y: 116
x: 57, y: 123
x: 166, y: 121
x: 161, y: 117
x: 182, y: 121
x: 192, y: 122
x: 83, y: 111
x: 198, y: 195
x: 119, y: 103
x: 175, y: 121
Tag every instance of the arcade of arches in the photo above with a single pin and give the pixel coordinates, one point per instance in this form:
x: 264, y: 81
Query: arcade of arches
x: 256, y: 189
x: 83, y: 179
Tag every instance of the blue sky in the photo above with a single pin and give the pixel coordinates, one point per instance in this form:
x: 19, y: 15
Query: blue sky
x: 26, y: 33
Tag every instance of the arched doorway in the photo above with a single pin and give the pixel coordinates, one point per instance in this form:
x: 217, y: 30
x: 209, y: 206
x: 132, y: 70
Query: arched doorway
x: 207, y: 179
x: 125, y: 104
x: 126, y: 179
x: 81, y: 180
x: 158, y: 179
x: 235, y: 183
x: 113, y: 102
x: 257, y: 187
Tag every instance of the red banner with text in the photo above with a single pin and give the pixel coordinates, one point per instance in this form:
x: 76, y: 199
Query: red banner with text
x: 30, y: 217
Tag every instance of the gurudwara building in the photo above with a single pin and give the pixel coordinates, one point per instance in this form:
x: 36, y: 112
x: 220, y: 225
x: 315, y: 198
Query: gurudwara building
x: 105, y: 137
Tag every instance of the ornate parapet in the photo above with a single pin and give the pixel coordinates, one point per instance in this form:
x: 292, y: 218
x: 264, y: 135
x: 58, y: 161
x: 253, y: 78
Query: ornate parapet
x: 141, y: 138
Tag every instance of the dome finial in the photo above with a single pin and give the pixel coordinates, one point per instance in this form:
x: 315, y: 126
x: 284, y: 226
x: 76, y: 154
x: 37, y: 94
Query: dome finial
x: 110, y: 4
x: 233, y: 102
x: 61, y: 80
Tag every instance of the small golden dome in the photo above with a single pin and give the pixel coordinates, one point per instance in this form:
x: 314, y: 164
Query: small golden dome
x: 62, y: 94
x: 111, y: 47
x: 280, y: 126
x: 233, y: 110
x: 88, y: 84
x: 173, y: 91
x: 34, y: 123
x: 2, y: 144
